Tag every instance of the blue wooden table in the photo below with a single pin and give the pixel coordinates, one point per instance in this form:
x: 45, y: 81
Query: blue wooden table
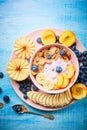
x: 18, y: 18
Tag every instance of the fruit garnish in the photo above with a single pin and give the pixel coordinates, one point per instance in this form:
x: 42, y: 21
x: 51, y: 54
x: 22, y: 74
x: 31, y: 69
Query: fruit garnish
x: 49, y: 56
x: 65, y: 82
x: 58, y: 69
x: 67, y: 38
x: 24, y: 47
x: 18, y: 69
x: 79, y: 91
x: 40, y: 78
x: 48, y: 37
x: 34, y: 67
x: 48, y: 84
x: 62, y: 52
x: 59, y: 82
x: 71, y: 71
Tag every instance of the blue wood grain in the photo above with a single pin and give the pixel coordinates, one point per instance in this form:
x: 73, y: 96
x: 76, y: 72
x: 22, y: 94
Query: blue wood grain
x: 18, y: 18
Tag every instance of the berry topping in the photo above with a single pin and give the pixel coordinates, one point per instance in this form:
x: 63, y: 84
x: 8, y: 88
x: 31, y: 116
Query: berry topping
x: 58, y: 69
x: 6, y: 99
x: 62, y: 52
x: 34, y: 67
x: 84, y: 53
x: 25, y: 96
x: 49, y: 56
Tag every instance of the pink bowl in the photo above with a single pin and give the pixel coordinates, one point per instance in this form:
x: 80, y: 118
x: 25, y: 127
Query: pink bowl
x: 73, y: 59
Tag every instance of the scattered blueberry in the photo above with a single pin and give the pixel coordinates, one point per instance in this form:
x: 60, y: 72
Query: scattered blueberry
x: 0, y: 90
x: 57, y: 38
x: 73, y: 47
x: 24, y: 90
x: 84, y: 53
x: 25, y: 96
x: 18, y: 108
x: 6, y: 99
x: 49, y: 56
x: 84, y: 63
x: 34, y: 88
x: 62, y: 52
x: 34, y: 67
x: 39, y: 40
x: 1, y: 75
x: 58, y: 69
x: 77, y: 52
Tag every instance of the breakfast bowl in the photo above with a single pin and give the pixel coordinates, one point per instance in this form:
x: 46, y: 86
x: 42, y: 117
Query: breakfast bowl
x: 54, y: 68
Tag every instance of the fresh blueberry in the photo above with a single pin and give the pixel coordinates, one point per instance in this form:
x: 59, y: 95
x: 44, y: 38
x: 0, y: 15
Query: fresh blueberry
x: 84, y: 53
x: 25, y: 96
x: 77, y: 52
x: 58, y: 69
x: 18, y: 108
x: 34, y: 67
x: 6, y: 99
x: 73, y: 47
x: 34, y: 88
x: 39, y: 40
x: 0, y: 90
x: 85, y: 83
x: 57, y: 38
x: 82, y: 67
x: 79, y: 59
x: 28, y: 88
x: 20, y: 88
x: 62, y: 52
x: 24, y: 91
x: 84, y: 59
x: 85, y: 63
x: 49, y: 56
x: 1, y: 75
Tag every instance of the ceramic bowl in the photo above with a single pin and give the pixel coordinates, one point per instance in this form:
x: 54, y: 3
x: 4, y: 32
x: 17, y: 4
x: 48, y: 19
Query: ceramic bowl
x: 73, y: 59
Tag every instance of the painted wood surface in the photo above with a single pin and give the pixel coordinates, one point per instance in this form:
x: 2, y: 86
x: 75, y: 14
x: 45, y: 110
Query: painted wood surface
x: 18, y: 18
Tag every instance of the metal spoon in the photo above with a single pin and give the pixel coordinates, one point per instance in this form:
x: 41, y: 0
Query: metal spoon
x: 23, y: 109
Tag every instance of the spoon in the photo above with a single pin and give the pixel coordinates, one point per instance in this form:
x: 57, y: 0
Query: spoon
x: 22, y: 109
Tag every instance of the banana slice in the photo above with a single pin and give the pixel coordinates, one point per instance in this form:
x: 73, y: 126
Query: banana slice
x: 48, y: 84
x: 40, y: 77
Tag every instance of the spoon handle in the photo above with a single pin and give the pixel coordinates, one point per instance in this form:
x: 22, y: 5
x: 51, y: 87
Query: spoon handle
x: 49, y: 116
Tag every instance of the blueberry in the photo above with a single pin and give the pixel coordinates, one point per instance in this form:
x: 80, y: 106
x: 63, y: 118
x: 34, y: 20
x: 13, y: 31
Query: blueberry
x: 0, y: 90
x: 62, y: 52
x: 82, y: 67
x: 77, y: 52
x: 24, y: 91
x: 6, y: 99
x: 25, y: 96
x: 18, y: 108
x: 85, y: 83
x: 20, y: 88
x: 85, y: 63
x: 57, y: 38
x: 80, y: 59
x: 34, y: 88
x: 39, y: 40
x: 84, y: 59
x: 28, y: 88
x: 1, y: 75
x: 58, y: 69
x: 84, y: 53
x: 49, y: 56
x: 34, y: 67
x: 73, y: 47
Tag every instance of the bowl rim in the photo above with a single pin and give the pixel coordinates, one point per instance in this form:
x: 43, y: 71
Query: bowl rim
x: 59, y: 90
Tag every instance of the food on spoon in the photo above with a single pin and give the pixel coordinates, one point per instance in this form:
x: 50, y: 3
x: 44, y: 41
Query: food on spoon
x: 24, y: 47
x: 67, y: 38
x: 18, y: 69
x: 49, y: 100
x: 48, y: 37
x: 79, y: 91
